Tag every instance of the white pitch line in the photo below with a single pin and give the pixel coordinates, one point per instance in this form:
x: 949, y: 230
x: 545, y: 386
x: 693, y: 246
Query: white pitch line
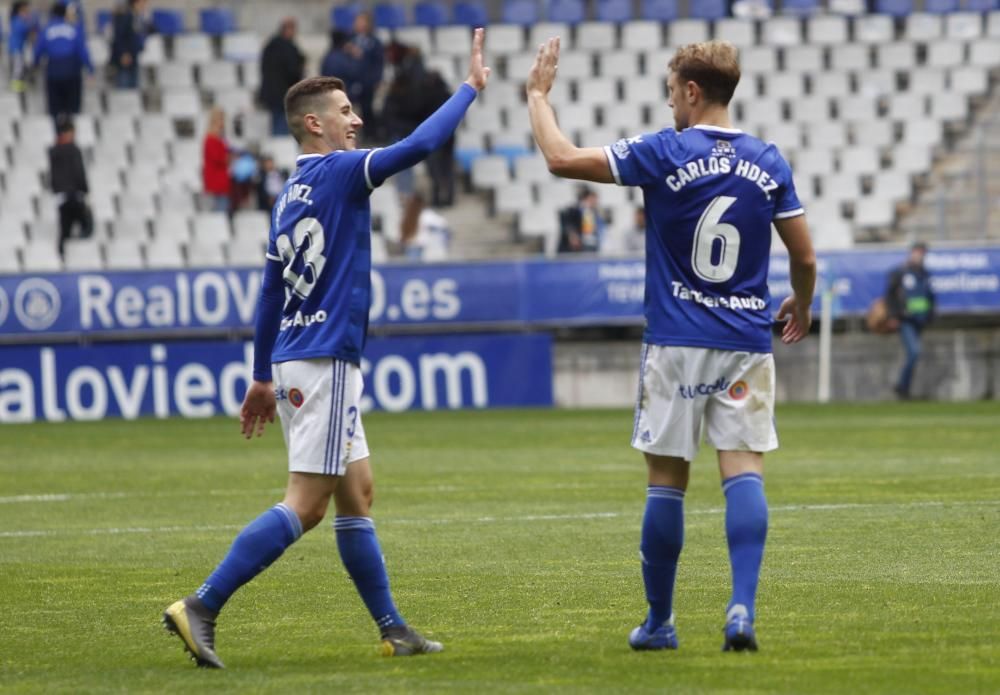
x: 499, y: 519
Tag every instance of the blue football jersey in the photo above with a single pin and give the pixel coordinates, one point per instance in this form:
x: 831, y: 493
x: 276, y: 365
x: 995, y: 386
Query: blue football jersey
x: 710, y: 196
x: 321, y: 234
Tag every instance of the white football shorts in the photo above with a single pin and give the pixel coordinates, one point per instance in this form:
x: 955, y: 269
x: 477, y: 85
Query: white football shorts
x: 319, y: 402
x: 685, y: 392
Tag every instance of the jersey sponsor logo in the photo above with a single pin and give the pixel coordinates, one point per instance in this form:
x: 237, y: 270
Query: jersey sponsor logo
x: 691, y: 391
x: 296, y: 398
x: 739, y: 390
x: 716, y: 302
x: 301, y: 320
x: 37, y: 303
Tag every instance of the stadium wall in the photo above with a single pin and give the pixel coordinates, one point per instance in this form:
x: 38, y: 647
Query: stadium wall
x: 957, y: 364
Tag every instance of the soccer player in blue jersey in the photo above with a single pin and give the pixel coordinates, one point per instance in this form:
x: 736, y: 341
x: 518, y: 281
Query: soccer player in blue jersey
x: 311, y: 326
x: 711, y: 195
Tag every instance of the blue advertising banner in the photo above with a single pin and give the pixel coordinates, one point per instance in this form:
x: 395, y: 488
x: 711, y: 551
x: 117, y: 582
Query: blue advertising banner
x: 529, y: 293
x: 205, y: 378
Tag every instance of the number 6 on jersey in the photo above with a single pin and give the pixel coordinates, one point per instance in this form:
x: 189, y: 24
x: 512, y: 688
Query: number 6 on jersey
x: 709, y: 229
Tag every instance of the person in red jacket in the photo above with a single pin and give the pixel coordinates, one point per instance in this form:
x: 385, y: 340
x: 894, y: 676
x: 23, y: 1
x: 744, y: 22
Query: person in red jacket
x: 215, y: 163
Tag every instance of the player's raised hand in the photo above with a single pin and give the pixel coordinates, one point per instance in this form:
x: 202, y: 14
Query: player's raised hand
x: 798, y: 320
x: 543, y: 72
x: 478, y: 73
x: 259, y: 406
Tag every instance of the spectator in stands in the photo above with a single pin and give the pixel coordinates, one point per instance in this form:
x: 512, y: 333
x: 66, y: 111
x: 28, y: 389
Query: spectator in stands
x: 909, y: 299
x: 215, y: 163
x: 581, y: 226
x: 372, y: 58
x: 635, y: 237
x: 242, y: 178
x: 281, y: 65
x: 128, y: 36
x: 424, y: 233
x: 270, y: 181
x: 343, y: 60
x: 63, y: 47
x: 68, y: 178
x: 413, y: 95
x: 20, y: 35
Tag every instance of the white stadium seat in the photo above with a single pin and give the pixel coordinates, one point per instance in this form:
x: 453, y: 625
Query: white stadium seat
x: 124, y: 254
x: 592, y: 36
x: 739, y: 32
x: 211, y: 227
x: 490, y: 171
x: 641, y: 34
x: 921, y: 26
x: 40, y: 256
x: 164, y: 253
x: 193, y: 48
x: 685, y: 31
x: 241, y: 47
x: 204, y: 253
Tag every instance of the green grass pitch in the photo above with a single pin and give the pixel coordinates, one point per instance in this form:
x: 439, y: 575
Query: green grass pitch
x: 512, y: 537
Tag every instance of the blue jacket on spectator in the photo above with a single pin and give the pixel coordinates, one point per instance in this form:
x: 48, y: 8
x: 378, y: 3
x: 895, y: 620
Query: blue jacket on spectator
x: 65, y: 48
x: 19, y: 30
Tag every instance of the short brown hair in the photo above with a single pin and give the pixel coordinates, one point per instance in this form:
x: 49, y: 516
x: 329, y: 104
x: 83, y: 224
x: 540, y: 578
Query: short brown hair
x: 303, y: 97
x: 712, y: 65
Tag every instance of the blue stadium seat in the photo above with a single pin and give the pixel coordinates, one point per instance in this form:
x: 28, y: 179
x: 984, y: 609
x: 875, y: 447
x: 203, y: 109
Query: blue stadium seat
x: 430, y: 14
x: 710, y: 9
x: 103, y: 19
x: 800, y: 7
x: 471, y: 13
x: 389, y: 16
x: 896, y: 8
x: 659, y: 10
x: 981, y: 5
x: 465, y: 156
x: 940, y: 6
x: 522, y: 12
x: 168, y: 22
x: 217, y: 21
x: 617, y: 11
x: 342, y: 16
x: 568, y: 11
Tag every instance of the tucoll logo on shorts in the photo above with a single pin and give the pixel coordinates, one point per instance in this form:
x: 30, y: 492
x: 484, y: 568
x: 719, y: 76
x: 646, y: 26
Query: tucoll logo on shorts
x: 739, y: 391
x: 296, y: 398
x: 716, y: 386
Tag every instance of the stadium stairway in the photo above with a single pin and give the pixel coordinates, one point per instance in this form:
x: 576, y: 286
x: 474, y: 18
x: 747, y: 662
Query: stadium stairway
x: 962, y: 198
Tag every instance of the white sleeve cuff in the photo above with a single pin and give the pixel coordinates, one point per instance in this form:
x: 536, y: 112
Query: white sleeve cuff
x: 789, y: 213
x: 613, y: 164
x: 368, y: 178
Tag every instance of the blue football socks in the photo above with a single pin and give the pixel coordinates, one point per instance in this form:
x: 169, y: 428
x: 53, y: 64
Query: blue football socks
x: 660, y: 547
x: 362, y: 557
x: 746, y: 531
x: 255, y: 548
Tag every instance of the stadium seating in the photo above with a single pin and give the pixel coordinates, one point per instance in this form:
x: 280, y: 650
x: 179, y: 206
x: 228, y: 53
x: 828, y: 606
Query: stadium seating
x: 859, y: 104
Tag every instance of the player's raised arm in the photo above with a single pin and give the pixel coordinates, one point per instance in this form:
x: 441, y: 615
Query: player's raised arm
x: 436, y: 130
x: 802, y: 263
x: 561, y: 155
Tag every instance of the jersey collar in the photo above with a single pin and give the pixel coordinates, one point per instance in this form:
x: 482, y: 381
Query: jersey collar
x: 718, y: 129
x: 302, y: 157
